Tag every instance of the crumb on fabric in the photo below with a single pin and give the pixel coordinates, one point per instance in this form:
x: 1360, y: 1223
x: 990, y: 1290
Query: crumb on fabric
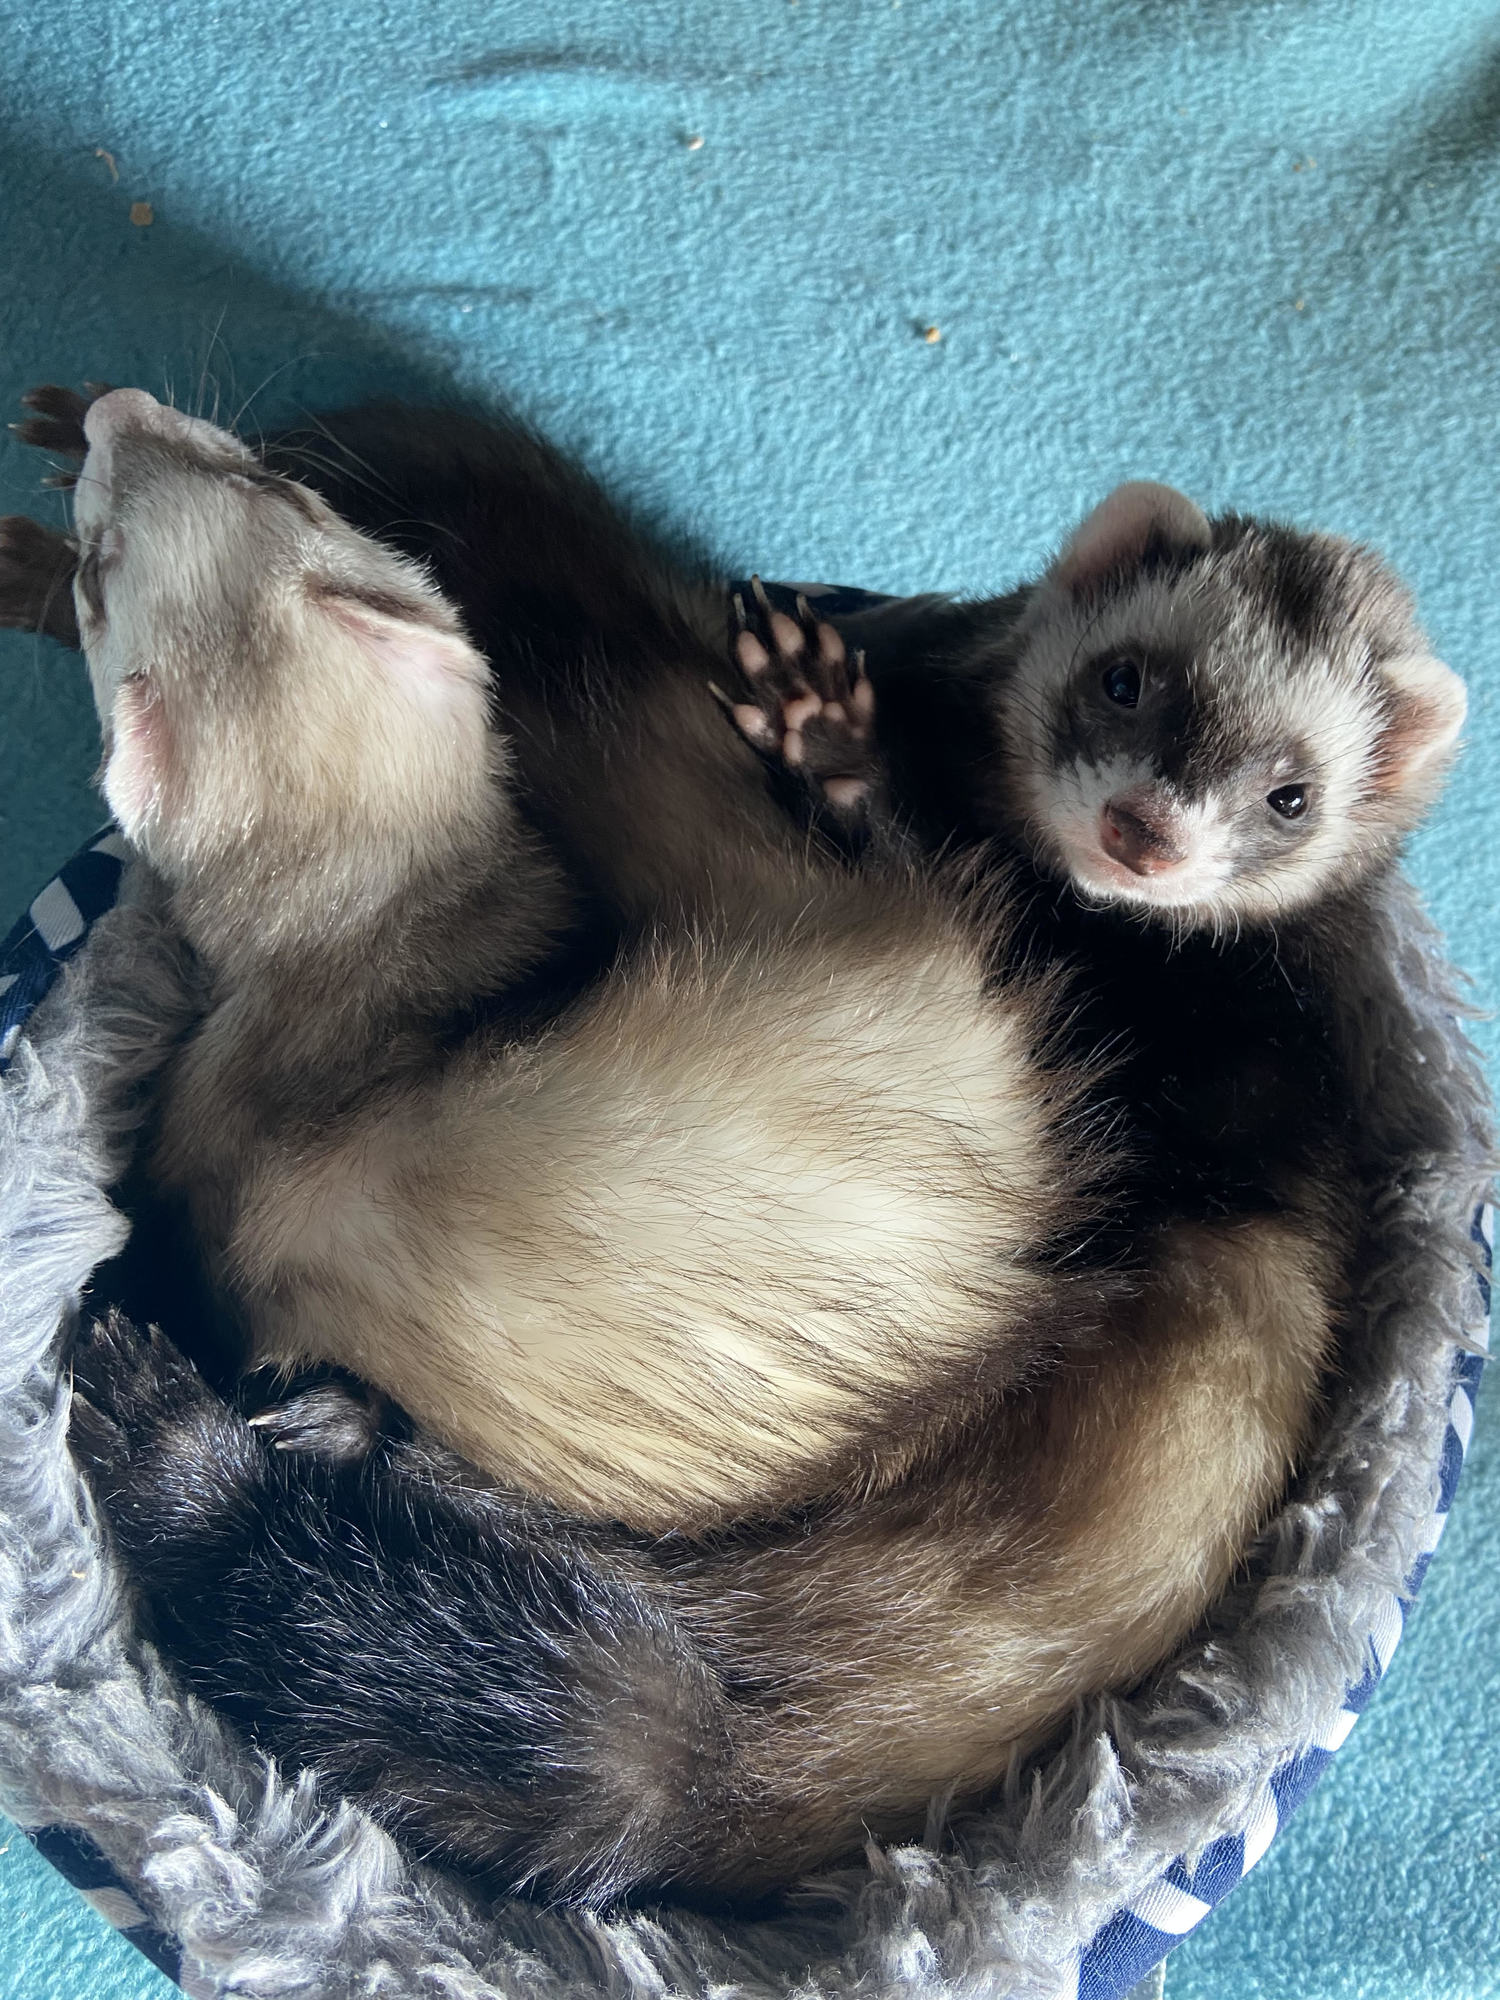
x: 142, y: 214
x: 694, y: 142
x: 932, y: 335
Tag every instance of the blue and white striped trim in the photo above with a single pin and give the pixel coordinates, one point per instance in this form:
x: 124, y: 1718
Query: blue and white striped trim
x: 53, y: 928
x: 1135, y: 1939
x: 80, y: 1862
x: 32, y: 955
x: 1139, y: 1937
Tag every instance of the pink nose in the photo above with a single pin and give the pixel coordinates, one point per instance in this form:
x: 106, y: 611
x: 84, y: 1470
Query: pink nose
x: 122, y: 410
x: 1138, y: 833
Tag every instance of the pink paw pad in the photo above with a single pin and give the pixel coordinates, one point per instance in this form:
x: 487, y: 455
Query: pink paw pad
x: 811, y: 706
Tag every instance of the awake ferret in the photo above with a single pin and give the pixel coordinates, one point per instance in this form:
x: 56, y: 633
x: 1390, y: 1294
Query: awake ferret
x: 724, y: 1714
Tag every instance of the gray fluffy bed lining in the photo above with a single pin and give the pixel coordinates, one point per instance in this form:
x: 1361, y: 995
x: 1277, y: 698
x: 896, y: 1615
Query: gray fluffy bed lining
x: 275, y: 1889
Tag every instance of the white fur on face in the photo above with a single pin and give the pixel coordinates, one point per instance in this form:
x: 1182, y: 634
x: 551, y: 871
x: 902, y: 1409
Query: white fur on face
x: 1252, y: 689
x: 275, y: 689
x: 1070, y: 820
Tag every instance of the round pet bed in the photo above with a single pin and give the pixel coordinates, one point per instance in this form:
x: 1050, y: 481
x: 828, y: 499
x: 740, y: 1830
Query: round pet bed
x: 240, y: 1880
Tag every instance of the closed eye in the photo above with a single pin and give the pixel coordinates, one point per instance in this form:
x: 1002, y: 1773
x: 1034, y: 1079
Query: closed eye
x: 89, y: 577
x: 260, y: 481
x: 386, y: 603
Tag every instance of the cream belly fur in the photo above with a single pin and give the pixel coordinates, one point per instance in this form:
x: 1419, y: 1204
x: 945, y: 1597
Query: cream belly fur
x: 688, y: 1247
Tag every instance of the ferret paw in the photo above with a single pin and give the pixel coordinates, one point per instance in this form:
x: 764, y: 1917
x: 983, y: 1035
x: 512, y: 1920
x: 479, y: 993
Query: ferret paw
x: 338, y: 1421
x: 811, y: 706
x: 177, y: 1471
x: 130, y: 1385
x: 56, y: 422
x: 36, y: 579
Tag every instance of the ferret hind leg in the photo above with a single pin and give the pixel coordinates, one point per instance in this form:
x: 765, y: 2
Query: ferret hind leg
x: 392, y: 1625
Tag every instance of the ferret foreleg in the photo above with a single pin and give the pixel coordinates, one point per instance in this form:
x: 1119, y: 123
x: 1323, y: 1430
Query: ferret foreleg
x: 36, y: 579
x: 811, y: 707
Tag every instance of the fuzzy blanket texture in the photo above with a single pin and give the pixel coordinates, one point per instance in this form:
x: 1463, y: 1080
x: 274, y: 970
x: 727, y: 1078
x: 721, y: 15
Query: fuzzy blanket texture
x: 1248, y: 248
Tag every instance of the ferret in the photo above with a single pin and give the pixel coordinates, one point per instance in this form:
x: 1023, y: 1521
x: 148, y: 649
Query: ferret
x: 1215, y: 723
x: 717, y: 1712
x: 1266, y: 661
x: 697, y: 1250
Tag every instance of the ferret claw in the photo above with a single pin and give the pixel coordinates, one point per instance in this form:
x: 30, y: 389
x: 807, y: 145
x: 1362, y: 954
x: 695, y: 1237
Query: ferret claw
x: 329, y: 1420
x: 811, y: 706
x: 57, y: 424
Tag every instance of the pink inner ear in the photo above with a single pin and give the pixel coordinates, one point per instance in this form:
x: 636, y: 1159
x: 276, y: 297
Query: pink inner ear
x: 139, y: 758
x: 439, y: 667
x: 1120, y: 528
x: 1428, y: 706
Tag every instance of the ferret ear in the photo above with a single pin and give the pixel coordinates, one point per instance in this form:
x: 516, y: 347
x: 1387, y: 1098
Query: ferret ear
x: 1122, y: 528
x: 1427, y: 706
x: 435, y: 668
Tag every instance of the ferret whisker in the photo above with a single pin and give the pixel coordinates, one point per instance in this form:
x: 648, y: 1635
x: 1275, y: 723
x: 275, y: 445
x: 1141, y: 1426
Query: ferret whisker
x: 341, y: 468
x: 295, y: 361
x: 1087, y: 633
x: 208, y: 355
x: 348, y: 458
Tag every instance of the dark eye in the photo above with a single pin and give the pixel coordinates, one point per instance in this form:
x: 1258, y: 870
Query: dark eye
x: 1288, y: 800
x: 1121, y: 681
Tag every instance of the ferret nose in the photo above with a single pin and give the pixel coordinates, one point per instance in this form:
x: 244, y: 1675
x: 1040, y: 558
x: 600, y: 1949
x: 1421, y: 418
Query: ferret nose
x: 123, y: 414
x: 1137, y: 832
x: 121, y: 410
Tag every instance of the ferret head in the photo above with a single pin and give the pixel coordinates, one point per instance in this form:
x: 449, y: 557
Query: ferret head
x: 292, y: 717
x: 1220, y: 720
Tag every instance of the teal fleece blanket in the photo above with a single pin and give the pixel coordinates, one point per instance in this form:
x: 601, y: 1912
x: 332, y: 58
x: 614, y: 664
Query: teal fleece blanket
x: 887, y: 291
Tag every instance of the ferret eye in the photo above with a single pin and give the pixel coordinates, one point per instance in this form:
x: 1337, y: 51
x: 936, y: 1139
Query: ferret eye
x: 1121, y: 681
x: 88, y: 576
x: 1288, y: 800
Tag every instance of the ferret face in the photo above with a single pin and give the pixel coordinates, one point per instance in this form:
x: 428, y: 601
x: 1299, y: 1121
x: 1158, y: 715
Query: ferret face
x: 277, y: 693
x: 1220, y: 722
